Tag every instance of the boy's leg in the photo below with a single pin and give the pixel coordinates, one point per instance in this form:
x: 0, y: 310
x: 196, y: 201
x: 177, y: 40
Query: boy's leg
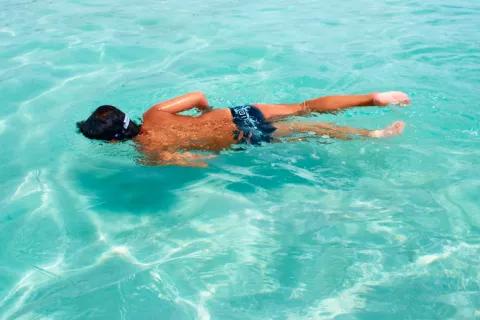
x: 332, y: 103
x: 334, y: 131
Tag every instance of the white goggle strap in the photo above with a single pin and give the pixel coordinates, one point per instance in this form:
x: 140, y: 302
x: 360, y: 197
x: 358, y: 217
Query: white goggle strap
x: 126, y: 122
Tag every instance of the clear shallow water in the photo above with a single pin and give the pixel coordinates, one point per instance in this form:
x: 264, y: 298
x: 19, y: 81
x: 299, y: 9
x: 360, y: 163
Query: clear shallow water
x: 349, y: 230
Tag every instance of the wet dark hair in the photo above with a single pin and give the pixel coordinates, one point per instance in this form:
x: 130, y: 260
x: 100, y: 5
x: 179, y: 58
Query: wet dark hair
x: 108, y: 123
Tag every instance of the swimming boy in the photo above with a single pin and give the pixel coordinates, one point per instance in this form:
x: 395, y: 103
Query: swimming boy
x: 166, y: 137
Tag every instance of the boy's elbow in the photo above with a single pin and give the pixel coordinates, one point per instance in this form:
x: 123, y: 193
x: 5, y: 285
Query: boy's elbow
x: 200, y: 98
x: 198, y: 94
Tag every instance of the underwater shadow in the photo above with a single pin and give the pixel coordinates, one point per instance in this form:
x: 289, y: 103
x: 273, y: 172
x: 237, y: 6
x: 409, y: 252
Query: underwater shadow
x: 134, y: 189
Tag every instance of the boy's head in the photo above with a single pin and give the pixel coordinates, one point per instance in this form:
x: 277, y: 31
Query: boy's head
x: 108, y: 123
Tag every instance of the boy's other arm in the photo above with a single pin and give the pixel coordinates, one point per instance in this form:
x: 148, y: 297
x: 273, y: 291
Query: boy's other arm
x: 182, y: 103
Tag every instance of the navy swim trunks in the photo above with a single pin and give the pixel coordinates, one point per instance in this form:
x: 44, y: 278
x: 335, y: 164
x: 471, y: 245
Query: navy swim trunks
x: 251, y: 122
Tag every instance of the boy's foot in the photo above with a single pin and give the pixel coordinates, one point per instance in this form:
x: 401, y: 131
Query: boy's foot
x: 391, y: 97
x: 392, y: 130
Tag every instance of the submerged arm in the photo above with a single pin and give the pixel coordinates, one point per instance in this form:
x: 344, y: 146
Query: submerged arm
x: 185, y: 159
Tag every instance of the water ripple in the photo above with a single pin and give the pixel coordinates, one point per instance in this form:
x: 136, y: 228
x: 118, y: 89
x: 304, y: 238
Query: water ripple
x: 315, y: 230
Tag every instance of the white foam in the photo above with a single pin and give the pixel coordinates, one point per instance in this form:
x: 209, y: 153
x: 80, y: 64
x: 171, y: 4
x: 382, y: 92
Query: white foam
x: 23, y: 289
x: 376, y: 227
x: 298, y: 292
x: 24, y: 59
x: 20, y: 284
x: 22, y: 110
x: 122, y: 250
x: 8, y: 31
x: 197, y: 45
x: 28, y: 283
x: 428, y: 259
x: 258, y: 215
x: 19, y: 302
x: 3, y: 126
x: 29, y: 185
x: 344, y: 303
x: 73, y: 41
x: 201, y: 310
x: 225, y: 177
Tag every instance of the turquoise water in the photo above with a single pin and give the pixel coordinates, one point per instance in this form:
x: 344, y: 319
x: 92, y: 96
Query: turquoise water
x: 385, y: 229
